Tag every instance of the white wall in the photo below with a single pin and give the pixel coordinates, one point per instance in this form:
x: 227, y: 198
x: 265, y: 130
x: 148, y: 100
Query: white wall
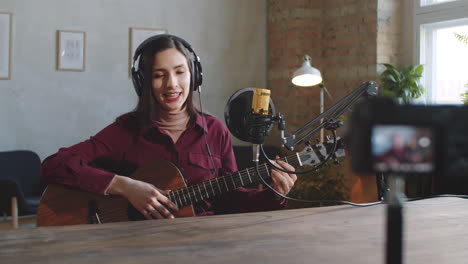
x: 43, y: 109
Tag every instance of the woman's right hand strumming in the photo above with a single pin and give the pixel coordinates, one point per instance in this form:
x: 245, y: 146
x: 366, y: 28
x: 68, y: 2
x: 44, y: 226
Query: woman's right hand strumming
x: 150, y: 201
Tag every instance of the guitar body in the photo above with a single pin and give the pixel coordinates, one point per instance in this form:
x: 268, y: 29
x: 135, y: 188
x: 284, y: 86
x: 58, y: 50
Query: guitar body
x: 62, y: 205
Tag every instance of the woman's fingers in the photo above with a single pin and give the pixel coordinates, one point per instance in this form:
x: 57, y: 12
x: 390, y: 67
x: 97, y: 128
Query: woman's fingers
x: 167, y: 203
x: 283, y: 181
x: 160, y: 208
x: 155, y: 213
x: 146, y: 214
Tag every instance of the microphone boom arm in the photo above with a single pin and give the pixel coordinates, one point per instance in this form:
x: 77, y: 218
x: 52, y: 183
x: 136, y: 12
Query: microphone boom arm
x: 330, y: 115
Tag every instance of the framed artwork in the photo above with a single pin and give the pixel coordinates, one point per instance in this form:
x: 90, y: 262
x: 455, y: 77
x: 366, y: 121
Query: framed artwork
x: 6, y: 35
x: 137, y: 36
x: 71, y: 51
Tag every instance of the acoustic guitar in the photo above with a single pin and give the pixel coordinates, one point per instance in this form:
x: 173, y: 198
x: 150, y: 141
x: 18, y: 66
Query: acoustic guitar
x: 61, y: 205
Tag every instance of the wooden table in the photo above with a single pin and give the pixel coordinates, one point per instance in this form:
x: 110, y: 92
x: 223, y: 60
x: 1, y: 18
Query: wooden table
x: 435, y: 232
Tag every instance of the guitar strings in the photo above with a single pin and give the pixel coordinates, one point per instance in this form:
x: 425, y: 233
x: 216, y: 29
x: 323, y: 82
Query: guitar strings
x: 206, y: 190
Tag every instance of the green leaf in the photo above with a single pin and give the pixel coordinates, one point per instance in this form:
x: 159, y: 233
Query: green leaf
x: 390, y: 78
x: 389, y: 66
x: 462, y: 38
x: 407, y: 70
x: 395, y: 73
x: 465, y: 95
x: 419, y: 69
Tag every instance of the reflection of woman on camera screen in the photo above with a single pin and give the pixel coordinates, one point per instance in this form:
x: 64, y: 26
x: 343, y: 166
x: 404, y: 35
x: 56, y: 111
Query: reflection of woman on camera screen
x: 398, y: 153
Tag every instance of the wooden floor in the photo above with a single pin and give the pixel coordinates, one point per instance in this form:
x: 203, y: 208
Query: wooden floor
x: 28, y: 221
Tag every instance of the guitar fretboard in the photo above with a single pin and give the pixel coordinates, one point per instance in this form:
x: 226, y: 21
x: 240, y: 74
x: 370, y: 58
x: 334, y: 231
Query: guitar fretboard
x: 223, y: 184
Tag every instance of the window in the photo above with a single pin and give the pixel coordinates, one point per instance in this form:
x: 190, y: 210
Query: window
x: 446, y: 61
x: 445, y: 57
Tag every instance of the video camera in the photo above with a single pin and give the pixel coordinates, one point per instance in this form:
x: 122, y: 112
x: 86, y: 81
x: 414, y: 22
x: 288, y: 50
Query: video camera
x: 387, y: 137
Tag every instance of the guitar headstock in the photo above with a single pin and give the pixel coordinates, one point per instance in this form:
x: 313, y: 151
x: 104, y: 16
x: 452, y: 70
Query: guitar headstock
x: 314, y: 154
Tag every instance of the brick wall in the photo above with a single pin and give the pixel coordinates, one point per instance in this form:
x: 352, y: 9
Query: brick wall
x: 349, y: 53
x: 347, y: 40
x: 389, y: 32
x: 294, y: 29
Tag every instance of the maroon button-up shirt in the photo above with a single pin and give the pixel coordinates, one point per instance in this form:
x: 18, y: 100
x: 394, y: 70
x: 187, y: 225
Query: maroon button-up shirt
x: 122, y: 147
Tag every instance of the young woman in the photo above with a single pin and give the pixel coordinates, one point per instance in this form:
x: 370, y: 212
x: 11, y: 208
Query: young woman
x: 165, y: 125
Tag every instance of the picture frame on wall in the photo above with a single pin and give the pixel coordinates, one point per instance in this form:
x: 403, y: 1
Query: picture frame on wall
x: 137, y: 36
x: 71, y: 50
x: 6, y: 35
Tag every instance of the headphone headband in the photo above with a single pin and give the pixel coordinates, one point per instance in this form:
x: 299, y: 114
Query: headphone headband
x: 138, y: 76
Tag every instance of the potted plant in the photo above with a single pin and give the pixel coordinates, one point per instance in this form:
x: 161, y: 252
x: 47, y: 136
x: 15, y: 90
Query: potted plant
x: 463, y: 39
x: 465, y: 95
x: 402, y: 83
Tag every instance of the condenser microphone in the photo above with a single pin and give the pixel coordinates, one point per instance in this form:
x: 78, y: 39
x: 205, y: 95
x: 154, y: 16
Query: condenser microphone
x: 260, y: 101
x: 259, y: 120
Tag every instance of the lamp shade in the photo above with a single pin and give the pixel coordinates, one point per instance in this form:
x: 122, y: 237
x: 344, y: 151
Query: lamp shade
x: 306, y: 75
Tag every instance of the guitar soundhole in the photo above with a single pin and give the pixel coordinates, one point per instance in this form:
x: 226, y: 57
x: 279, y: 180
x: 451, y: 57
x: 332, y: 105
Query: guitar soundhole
x: 134, y: 214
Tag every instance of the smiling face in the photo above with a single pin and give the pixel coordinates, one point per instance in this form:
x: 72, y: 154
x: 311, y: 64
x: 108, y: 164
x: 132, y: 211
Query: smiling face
x: 170, y: 79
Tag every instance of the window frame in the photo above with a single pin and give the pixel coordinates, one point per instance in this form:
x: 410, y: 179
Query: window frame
x: 437, y: 8
x: 443, y: 14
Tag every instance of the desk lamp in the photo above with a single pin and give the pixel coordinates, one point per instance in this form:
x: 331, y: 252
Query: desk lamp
x: 307, y: 76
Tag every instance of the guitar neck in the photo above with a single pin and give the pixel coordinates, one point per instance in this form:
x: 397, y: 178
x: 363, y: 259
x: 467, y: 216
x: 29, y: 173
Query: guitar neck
x: 220, y: 185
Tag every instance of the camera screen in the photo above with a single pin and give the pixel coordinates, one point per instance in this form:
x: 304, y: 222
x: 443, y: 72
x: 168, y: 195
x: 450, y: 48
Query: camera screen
x: 402, y: 149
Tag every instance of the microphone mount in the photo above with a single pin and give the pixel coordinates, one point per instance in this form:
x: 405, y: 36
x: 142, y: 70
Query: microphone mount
x: 258, y: 127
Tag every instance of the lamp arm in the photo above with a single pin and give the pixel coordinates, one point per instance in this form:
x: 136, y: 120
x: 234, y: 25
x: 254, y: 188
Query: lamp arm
x: 367, y: 88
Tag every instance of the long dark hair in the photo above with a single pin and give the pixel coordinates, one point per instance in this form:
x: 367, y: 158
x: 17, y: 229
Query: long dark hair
x: 147, y: 108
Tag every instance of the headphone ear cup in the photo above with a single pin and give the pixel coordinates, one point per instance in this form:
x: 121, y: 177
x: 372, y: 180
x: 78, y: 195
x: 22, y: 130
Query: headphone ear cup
x: 137, y: 80
x: 197, y: 75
